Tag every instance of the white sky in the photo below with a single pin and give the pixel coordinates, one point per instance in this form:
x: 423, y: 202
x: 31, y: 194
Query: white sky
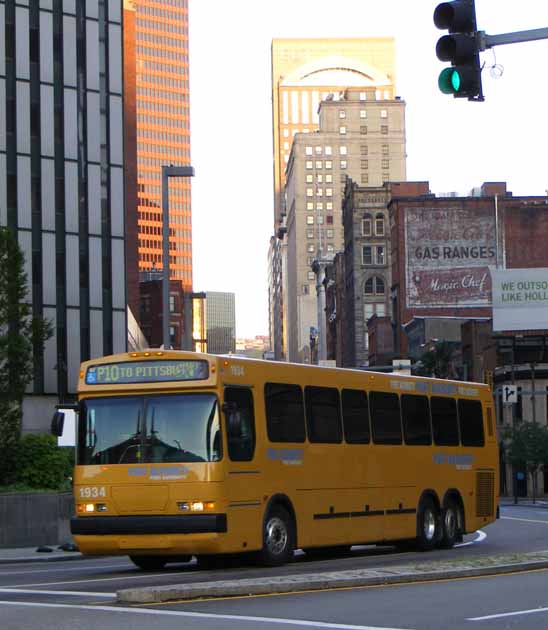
x: 454, y: 144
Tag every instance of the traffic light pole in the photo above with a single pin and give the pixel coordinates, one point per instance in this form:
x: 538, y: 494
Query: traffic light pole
x: 488, y: 41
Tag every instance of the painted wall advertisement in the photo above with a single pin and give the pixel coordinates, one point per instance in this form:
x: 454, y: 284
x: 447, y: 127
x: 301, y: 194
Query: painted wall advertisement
x: 449, y: 252
x: 520, y: 299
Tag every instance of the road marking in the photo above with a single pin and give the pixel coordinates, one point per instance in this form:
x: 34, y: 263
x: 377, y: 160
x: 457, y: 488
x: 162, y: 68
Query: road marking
x: 112, y: 579
x: 481, y: 536
x: 126, y: 567
x: 37, y: 592
x: 197, y: 615
x: 509, y: 614
x: 525, y: 520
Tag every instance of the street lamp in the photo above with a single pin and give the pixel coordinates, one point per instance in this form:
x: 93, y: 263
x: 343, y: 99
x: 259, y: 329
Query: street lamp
x: 167, y: 172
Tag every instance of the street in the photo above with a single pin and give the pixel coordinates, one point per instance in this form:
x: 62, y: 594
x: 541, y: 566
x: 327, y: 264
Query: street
x: 83, y: 593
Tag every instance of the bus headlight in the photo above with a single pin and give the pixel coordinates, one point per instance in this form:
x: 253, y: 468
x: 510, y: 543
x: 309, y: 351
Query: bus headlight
x: 195, y: 506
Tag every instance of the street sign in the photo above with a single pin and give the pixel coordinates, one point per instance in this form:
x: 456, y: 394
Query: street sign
x: 509, y: 394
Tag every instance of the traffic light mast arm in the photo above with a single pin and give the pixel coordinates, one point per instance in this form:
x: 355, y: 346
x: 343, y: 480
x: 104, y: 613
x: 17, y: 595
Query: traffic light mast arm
x: 488, y: 41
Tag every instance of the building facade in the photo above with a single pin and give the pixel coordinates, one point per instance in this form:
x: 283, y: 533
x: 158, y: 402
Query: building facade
x: 162, y: 122
x: 62, y: 180
x: 304, y: 73
x: 361, y: 136
x: 220, y: 322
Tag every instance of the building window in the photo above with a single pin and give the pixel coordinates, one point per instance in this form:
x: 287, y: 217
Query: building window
x: 363, y: 96
x: 308, y: 150
x: 385, y: 176
x: 385, y: 164
x: 366, y: 225
x: 379, y: 225
x: 329, y: 179
x: 311, y: 247
x: 171, y: 303
x: 343, y: 178
x: 364, y: 163
x: 363, y: 113
x: 310, y: 205
x: 310, y: 219
x: 319, y: 178
x: 384, y: 129
x: 367, y: 255
x: 364, y: 178
x: 363, y: 149
x: 329, y: 219
x: 309, y: 233
x: 343, y: 164
x: 329, y: 205
x: 385, y: 149
x: 309, y: 164
x: 342, y: 131
x: 363, y: 130
x: 329, y: 192
x: 343, y: 150
x: 328, y: 151
x: 319, y: 205
x: 380, y: 255
x: 309, y: 192
x: 319, y: 219
x: 319, y: 164
x: 328, y: 164
x: 309, y: 179
x: 330, y: 248
x: 342, y: 113
x: 384, y: 113
x: 311, y: 275
x: 319, y: 192
x: 374, y: 286
x: 330, y: 233
x: 318, y: 150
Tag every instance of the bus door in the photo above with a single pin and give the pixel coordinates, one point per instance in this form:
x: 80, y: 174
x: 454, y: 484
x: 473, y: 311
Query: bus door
x: 244, y: 478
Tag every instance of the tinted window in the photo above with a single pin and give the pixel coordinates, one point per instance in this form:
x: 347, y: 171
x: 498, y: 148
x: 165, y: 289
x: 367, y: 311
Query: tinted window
x: 471, y: 423
x: 240, y: 424
x: 444, y: 421
x: 323, y: 415
x: 284, y: 412
x: 385, y: 418
x: 415, y: 415
x: 355, y: 416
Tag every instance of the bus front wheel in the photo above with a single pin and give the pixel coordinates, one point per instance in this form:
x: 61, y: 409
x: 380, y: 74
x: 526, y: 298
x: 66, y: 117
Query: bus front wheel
x: 278, y: 537
x: 428, y: 525
x: 149, y: 563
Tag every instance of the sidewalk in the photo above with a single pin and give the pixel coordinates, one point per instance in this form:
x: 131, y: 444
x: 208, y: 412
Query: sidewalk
x: 542, y: 502
x: 30, y: 554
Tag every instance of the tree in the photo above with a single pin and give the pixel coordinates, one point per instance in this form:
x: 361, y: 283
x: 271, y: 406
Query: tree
x: 22, y: 337
x: 526, y: 444
x: 438, y: 361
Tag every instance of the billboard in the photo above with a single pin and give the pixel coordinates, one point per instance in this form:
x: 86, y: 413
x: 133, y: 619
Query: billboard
x: 448, y: 254
x: 520, y: 299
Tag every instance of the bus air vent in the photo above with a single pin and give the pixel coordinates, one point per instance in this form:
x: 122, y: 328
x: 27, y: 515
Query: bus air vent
x: 485, y: 493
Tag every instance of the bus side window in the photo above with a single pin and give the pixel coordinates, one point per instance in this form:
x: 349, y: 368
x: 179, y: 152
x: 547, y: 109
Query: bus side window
x: 355, y: 416
x: 416, y: 420
x: 284, y: 412
x: 240, y: 424
x: 444, y: 421
x: 323, y: 415
x: 385, y: 418
x: 471, y: 423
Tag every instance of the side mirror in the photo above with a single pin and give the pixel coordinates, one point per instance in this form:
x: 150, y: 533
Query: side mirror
x: 57, y: 423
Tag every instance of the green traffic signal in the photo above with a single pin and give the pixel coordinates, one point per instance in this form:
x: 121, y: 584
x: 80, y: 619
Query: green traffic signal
x: 449, y: 81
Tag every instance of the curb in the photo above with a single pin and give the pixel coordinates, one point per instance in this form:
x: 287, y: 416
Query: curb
x: 317, y: 582
x: 41, y: 557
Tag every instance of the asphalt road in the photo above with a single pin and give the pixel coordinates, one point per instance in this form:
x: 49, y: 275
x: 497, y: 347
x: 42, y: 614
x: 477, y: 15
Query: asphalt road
x: 64, y: 594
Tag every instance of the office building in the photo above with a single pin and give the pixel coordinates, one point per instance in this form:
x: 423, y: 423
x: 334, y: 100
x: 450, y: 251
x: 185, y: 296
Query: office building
x: 305, y: 72
x: 62, y: 180
x: 162, y: 120
x: 220, y: 322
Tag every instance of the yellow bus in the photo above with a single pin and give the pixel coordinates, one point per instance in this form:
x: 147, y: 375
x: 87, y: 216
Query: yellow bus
x: 182, y: 454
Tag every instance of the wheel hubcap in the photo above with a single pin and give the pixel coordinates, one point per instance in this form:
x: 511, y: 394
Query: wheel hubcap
x: 429, y: 526
x: 276, y: 536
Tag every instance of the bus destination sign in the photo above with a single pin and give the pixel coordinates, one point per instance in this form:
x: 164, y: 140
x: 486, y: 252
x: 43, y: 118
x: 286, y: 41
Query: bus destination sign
x: 147, y: 372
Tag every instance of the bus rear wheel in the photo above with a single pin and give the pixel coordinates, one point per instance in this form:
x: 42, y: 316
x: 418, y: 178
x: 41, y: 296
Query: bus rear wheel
x: 451, y: 525
x: 428, y: 525
x: 278, y: 538
x: 149, y: 563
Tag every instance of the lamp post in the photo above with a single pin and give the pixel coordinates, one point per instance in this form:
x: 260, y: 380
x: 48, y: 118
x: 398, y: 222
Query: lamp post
x: 167, y: 172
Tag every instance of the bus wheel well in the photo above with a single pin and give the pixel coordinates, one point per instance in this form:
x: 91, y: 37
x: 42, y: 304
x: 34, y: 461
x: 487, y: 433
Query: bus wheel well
x: 432, y: 495
x: 283, y: 501
x: 453, y: 495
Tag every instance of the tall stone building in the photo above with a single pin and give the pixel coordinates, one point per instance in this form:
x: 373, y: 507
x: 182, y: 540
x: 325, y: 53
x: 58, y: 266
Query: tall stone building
x: 305, y: 72
x: 220, y: 322
x: 62, y: 180
x: 159, y: 57
x: 362, y: 136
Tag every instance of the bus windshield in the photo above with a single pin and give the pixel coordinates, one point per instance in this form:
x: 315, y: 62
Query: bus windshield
x: 149, y: 429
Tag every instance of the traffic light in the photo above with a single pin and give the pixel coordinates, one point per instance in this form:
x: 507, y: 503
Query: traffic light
x: 461, y: 47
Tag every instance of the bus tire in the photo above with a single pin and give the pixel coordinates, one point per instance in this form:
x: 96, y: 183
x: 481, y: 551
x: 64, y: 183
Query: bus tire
x: 451, y: 525
x: 428, y: 524
x: 278, y: 537
x: 149, y: 563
